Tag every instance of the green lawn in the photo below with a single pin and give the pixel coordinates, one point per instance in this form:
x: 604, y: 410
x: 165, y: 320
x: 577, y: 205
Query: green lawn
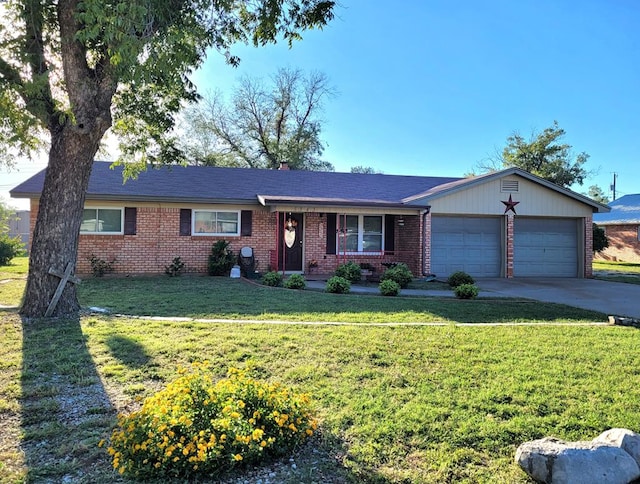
x: 397, y: 404
x: 408, y: 403
x: 628, y: 272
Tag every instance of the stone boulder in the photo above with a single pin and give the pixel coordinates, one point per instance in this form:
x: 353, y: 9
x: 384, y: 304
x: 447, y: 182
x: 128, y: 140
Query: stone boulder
x: 625, y: 439
x: 553, y: 461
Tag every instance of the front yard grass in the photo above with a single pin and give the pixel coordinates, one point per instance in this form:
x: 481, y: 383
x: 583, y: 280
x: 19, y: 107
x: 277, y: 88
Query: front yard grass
x: 408, y: 403
x: 219, y: 297
x: 397, y: 404
x: 628, y: 272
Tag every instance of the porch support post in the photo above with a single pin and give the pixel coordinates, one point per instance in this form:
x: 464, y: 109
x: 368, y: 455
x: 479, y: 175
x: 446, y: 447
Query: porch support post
x: 509, y: 248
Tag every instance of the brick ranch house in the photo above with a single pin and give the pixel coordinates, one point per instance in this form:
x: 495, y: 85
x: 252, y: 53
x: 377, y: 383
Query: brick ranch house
x: 504, y: 224
x: 622, y: 226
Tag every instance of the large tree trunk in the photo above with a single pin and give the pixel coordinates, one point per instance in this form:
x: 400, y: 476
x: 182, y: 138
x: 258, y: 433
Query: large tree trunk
x: 74, y: 142
x: 55, y: 237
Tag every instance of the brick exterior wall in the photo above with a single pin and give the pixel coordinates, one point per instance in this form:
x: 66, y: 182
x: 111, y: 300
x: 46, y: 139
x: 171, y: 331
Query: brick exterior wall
x: 426, y: 256
x: 509, y: 249
x: 407, y: 246
x: 158, y: 241
x: 588, y: 247
x: 623, y: 243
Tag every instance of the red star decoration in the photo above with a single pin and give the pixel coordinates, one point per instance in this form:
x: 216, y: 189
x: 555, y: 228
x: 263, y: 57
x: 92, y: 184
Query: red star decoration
x: 511, y: 205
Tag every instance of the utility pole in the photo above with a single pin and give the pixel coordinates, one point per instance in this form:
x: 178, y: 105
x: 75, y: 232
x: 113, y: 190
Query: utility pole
x: 613, y: 185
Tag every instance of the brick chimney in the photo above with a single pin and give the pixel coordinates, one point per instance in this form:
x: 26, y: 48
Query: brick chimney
x: 284, y: 165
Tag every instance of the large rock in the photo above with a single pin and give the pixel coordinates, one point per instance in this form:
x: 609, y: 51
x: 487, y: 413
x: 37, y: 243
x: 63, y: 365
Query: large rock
x: 625, y: 439
x: 554, y: 461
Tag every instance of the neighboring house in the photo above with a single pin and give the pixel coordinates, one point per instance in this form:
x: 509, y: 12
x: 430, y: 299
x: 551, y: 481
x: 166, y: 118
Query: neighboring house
x: 296, y: 219
x: 622, y: 226
x: 19, y: 227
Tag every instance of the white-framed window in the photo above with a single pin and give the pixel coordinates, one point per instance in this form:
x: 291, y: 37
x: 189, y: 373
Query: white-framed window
x: 360, y: 233
x: 215, y: 222
x: 107, y: 221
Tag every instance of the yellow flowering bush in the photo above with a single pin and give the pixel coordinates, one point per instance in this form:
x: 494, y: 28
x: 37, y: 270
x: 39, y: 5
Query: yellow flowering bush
x: 199, y: 426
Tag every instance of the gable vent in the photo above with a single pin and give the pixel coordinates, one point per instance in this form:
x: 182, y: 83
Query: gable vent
x: 509, y: 185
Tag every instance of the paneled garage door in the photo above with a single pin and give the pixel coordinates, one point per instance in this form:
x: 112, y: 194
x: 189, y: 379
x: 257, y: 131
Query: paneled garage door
x: 470, y: 244
x: 545, y: 247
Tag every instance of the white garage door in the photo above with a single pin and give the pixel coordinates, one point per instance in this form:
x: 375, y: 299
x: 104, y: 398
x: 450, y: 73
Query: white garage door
x: 545, y: 247
x: 469, y: 244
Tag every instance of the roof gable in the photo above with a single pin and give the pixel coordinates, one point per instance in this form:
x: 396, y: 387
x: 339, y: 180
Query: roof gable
x: 466, y: 183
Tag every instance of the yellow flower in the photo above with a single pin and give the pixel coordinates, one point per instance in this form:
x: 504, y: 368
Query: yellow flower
x: 309, y: 432
x: 237, y: 457
x: 101, y: 443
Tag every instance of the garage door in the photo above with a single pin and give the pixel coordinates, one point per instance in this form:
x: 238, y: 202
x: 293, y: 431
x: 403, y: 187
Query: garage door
x: 469, y: 244
x: 545, y: 247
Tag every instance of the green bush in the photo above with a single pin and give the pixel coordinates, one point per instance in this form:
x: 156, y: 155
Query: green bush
x: 458, y: 278
x: 295, y: 281
x: 389, y: 288
x: 175, y: 268
x: 350, y: 271
x: 100, y: 267
x: 272, y: 278
x: 10, y: 247
x: 399, y: 273
x: 197, y: 428
x: 338, y: 285
x: 221, y: 259
x: 466, y: 291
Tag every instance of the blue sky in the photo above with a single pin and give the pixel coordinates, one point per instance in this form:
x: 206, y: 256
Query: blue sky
x: 432, y: 87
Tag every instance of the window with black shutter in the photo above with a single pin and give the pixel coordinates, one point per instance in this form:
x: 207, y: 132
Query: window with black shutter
x: 185, y: 221
x: 246, y: 217
x: 130, y: 216
x: 331, y: 233
x: 389, y: 233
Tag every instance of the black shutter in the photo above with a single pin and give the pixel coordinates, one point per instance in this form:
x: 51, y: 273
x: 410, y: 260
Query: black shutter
x: 185, y: 221
x: 130, y: 215
x: 246, y: 222
x: 389, y: 233
x: 331, y: 233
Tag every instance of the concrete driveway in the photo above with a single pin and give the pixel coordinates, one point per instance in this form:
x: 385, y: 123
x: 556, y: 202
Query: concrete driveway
x: 611, y: 298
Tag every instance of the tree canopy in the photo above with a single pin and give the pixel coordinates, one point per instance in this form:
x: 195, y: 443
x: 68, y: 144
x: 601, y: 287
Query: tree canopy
x: 596, y: 193
x: 72, y: 69
x: 263, y: 124
x: 544, y: 155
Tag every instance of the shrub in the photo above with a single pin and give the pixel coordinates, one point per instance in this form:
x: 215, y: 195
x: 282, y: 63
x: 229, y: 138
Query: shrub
x: 198, y: 428
x: 389, y: 288
x: 399, y: 273
x: 295, y: 281
x: 221, y: 259
x: 272, y: 278
x: 349, y: 271
x: 175, y: 268
x: 100, y: 267
x: 338, y: 285
x: 458, y: 278
x: 466, y: 291
x: 10, y: 247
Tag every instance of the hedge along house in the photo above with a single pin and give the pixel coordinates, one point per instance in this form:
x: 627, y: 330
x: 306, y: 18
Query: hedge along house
x: 622, y: 226
x: 504, y: 224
